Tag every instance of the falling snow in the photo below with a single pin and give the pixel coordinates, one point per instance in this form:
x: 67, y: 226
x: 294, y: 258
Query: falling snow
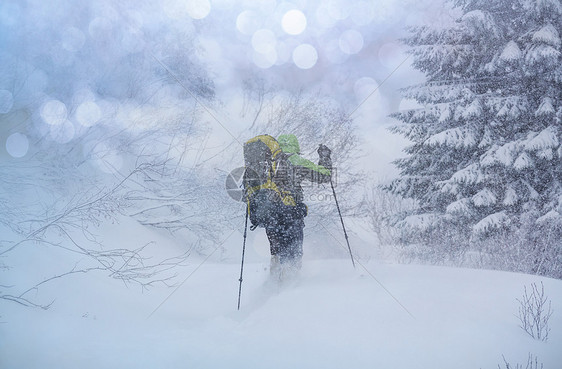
x: 119, y: 122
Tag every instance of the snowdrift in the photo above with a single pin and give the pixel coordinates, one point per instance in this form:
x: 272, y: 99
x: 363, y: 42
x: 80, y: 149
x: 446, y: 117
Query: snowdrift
x: 332, y: 316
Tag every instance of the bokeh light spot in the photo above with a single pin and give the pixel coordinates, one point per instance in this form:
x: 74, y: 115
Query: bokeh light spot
x: 174, y: 9
x: 248, y: 22
x: 263, y: 41
x: 88, y: 113
x: 351, y: 42
x: 198, y: 9
x: 294, y: 22
x: 390, y: 55
x: 338, y: 10
x: 305, y: 56
x: 54, y: 112
x: 365, y: 87
x: 17, y: 145
x: 223, y: 4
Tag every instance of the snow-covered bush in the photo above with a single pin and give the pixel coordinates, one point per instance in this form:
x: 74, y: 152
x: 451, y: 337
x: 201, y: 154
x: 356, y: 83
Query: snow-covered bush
x: 484, y: 163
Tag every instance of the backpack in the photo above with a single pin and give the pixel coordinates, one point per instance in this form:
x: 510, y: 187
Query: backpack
x: 267, y: 201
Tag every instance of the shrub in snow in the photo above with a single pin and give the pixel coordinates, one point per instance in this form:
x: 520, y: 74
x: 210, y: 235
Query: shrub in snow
x: 535, y: 312
x: 532, y: 363
x: 491, y: 223
x: 114, y: 135
x: 486, y: 145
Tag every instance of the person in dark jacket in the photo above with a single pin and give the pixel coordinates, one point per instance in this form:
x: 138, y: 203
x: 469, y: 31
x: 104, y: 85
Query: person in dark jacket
x: 285, y: 235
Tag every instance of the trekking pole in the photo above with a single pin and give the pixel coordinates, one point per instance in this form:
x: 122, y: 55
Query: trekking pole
x: 343, y: 225
x: 243, y: 252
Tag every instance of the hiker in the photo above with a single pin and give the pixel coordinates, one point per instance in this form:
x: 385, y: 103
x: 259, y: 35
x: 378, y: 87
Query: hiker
x: 284, y: 220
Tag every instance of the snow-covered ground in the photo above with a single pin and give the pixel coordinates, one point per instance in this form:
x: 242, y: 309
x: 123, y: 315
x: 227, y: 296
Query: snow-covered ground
x: 333, y: 316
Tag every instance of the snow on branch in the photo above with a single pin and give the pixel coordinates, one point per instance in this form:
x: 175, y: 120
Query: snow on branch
x: 511, y: 52
x: 523, y: 161
x: 484, y: 197
x: 481, y: 22
x: 548, y: 35
x: 551, y: 217
x: 504, y: 154
x: 538, y: 8
x: 546, y: 139
x: 490, y: 223
x: 510, y: 197
x: 468, y: 175
x: 542, y: 54
x: 510, y: 107
x: 419, y: 221
x: 461, y: 206
x: 490, y: 92
x: 473, y: 110
x: 546, y: 108
x: 459, y: 137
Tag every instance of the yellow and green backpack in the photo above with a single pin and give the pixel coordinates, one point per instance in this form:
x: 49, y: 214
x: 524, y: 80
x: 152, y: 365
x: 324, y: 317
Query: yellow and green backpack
x: 267, y: 200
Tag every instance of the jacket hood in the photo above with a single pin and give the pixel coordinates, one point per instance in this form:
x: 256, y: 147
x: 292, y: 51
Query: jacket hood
x: 289, y: 144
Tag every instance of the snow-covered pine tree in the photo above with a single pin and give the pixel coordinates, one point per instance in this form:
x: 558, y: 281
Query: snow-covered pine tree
x: 485, y: 160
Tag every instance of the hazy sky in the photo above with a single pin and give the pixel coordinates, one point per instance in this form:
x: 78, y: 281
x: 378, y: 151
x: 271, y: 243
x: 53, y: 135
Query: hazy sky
x: 53, y: 52
x: 349, y: 50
